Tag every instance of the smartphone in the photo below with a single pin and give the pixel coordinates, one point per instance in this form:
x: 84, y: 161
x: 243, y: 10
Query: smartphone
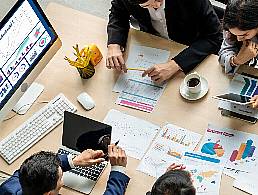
x: 234, y: 98
x: 238, y: 116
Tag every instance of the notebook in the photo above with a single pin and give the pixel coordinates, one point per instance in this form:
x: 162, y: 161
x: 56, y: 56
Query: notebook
x: 81, y: 133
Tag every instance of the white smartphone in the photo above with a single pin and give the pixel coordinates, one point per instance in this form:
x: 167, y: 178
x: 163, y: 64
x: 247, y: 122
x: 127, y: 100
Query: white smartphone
x: 234, y: 98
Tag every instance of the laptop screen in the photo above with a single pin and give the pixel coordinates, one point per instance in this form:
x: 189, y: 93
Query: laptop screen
x: 81, y: 133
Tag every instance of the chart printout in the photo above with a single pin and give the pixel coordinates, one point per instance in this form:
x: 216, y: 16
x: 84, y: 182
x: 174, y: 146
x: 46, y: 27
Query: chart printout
x: 169, y: 146
x: 136, y: 91
x: 239, y: 148
x: 134, y: 134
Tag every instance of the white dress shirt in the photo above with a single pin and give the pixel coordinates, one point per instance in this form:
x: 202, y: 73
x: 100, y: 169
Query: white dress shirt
x: 158, y: 20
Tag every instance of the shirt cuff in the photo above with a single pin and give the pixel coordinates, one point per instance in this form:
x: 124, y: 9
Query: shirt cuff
x: 118, y: 168
x: 70, y: 160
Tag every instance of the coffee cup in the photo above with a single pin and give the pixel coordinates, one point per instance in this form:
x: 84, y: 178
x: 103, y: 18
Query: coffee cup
x: 193, y: 83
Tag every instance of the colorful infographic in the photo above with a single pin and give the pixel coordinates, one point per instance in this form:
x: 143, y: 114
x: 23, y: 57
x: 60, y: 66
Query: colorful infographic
x: 213, y: 148
x: 239, y: 148
x: 168, y: 147
x: 205, y: 170
x: 206, y: 179
x: 245, y: 150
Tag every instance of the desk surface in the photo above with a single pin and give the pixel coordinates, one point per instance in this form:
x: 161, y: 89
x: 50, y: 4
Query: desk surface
x: 77, y: 27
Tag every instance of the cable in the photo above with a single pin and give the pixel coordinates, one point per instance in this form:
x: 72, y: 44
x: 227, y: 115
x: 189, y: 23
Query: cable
x: 17, y: 113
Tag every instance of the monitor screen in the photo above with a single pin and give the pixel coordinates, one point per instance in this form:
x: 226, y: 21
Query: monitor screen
x: 25, y: 36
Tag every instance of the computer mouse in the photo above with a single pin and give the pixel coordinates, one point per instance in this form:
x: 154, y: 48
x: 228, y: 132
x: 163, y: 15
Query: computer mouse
x: 86, y: 101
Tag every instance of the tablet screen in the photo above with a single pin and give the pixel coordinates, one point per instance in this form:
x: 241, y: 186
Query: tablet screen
x: 234, y: 98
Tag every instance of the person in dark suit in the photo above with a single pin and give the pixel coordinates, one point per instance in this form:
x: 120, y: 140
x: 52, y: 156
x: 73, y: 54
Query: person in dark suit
x: 41, y: 174
x: 190, y: 22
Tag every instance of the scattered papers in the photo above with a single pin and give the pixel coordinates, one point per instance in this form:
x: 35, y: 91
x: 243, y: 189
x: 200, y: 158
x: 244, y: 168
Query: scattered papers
x: 247, y: 182
x: 168, y: 148
x: 134, y: 134
x: 239, y: 148
x: 205, y: 172
x: 136, y: 91
x: 161, y: 154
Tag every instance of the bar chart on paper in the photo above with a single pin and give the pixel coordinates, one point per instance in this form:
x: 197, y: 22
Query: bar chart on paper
x: 245, y: 150
x: 136, y: 91
x: 238, y: 147
x: 140, y: 95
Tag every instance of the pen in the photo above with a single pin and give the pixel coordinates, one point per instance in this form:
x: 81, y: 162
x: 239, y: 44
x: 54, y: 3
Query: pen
x: 139, y: 69
x: 106, y: 155
x: 117, y: 142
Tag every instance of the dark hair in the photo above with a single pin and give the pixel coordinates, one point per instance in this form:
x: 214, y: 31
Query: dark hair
x: 39, y: 173
x: 241, y: 14
x: 174, y: 182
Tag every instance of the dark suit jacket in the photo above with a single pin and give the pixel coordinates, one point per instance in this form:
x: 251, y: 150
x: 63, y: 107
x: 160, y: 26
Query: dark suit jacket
x: 190, y: 22
x: 116, y: 185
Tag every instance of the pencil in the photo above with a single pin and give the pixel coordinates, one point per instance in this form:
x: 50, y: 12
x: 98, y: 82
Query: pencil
x: 139, y: 69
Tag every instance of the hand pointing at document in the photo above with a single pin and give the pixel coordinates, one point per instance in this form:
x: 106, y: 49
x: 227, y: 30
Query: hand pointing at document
x: 162, y: 72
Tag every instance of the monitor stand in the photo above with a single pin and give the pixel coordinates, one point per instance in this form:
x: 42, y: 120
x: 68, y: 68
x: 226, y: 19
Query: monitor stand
x: 28, y: 98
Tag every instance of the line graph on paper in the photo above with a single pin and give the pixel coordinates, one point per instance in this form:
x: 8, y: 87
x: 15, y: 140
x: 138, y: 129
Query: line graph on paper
x: 134, y: 134
x: 22, y: 22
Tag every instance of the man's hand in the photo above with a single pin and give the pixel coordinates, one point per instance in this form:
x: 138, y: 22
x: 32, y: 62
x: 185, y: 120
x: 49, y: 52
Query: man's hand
x: 162, y: 72
x: 174, y: 166
x: 248, y: 51
x: 89, y: 157
x: 117, y: 156
x: 115, y: 58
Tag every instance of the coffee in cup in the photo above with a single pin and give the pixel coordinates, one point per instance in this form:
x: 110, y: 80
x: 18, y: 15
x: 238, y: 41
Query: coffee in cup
x: 193, y: 82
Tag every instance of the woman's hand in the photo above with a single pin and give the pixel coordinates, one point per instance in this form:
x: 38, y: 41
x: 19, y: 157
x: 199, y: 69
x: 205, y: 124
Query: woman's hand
x: 248, y: 51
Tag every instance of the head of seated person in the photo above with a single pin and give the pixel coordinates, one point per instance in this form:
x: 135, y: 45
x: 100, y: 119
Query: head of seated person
x: 41, y: 174
x: 241, y: 19
x: 174, y: 182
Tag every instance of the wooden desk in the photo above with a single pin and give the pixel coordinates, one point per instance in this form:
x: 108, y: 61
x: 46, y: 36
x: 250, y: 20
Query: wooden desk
x: 77, y: 27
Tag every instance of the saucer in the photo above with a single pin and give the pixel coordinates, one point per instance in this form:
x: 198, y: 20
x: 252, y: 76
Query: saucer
x: 194, y: 96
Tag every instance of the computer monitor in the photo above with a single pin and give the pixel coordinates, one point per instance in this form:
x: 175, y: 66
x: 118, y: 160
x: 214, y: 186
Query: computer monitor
x: 27, y: 43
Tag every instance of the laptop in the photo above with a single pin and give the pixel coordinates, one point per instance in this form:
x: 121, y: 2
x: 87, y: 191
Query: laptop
x: 81, y: 133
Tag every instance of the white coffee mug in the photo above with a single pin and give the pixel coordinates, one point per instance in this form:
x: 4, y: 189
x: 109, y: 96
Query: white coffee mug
x: 193, y: 82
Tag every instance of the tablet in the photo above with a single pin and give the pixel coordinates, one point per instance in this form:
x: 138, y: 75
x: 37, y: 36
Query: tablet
x: 234, y: 98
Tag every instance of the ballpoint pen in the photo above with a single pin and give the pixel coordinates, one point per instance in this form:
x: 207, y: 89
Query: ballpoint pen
x: 106, y: 155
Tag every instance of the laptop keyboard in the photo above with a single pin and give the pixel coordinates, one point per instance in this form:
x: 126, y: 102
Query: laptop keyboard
x: 93, y: 172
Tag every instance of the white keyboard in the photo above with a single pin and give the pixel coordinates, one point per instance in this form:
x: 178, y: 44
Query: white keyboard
x: 35, y: 128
